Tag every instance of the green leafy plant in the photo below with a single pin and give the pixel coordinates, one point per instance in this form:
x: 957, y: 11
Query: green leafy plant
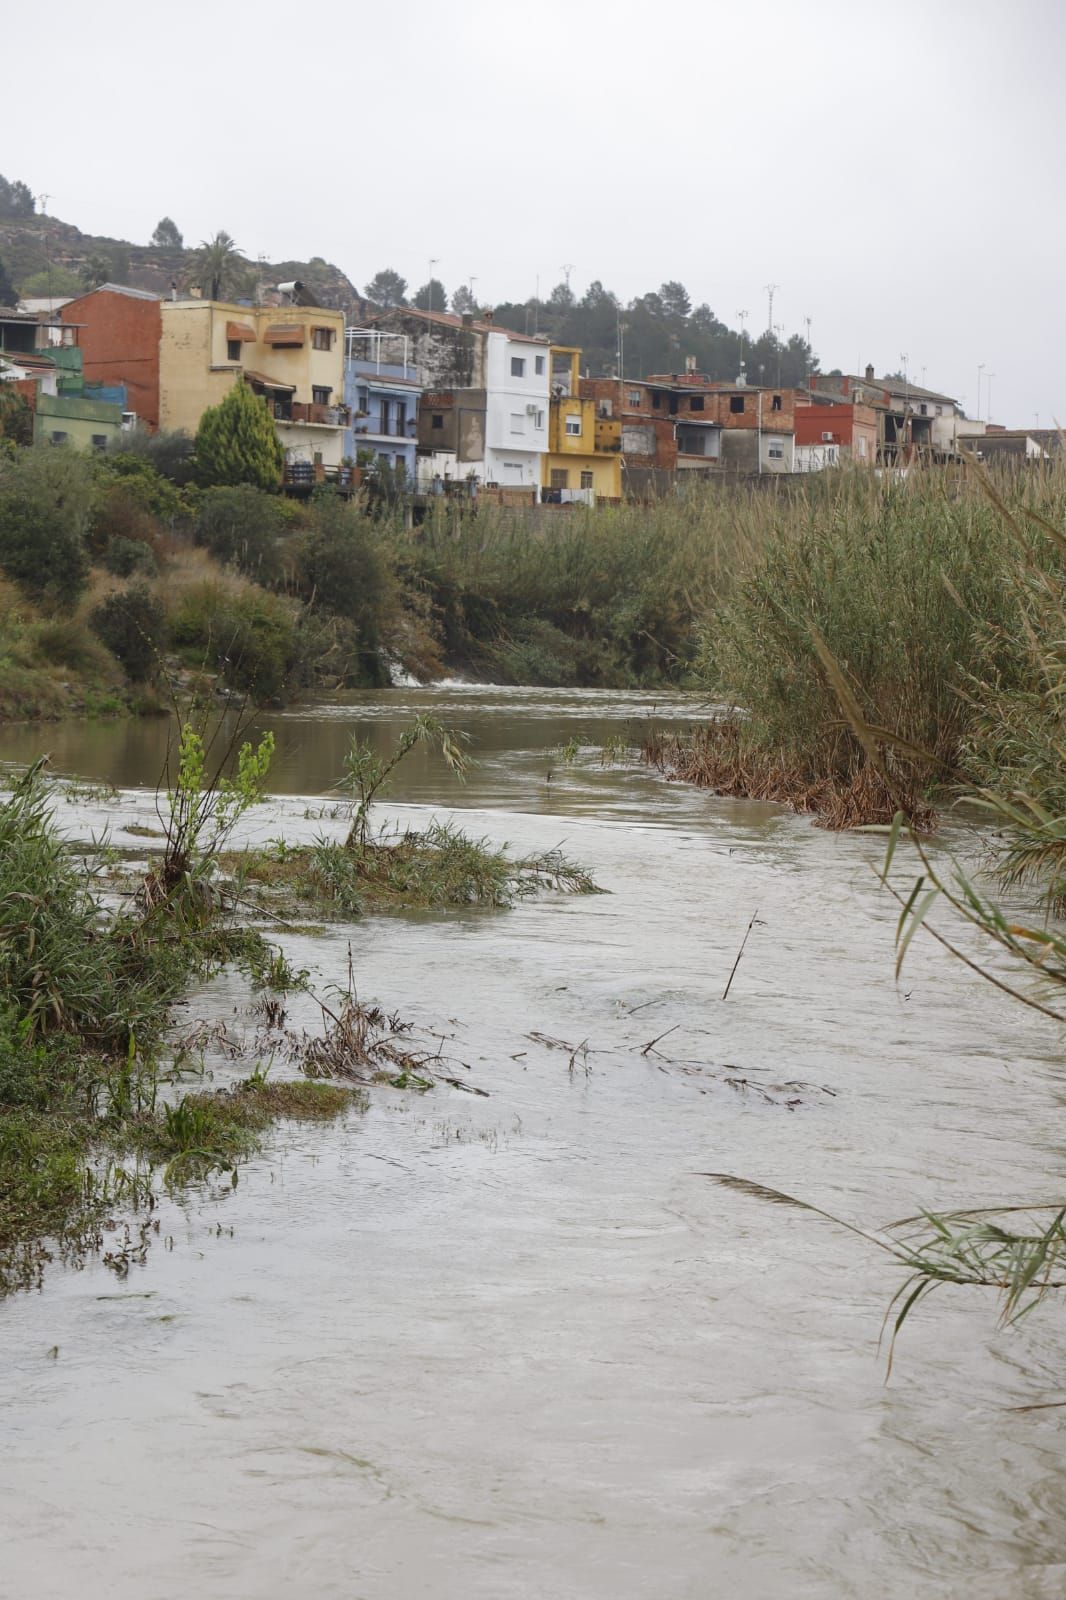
x: 367, y: 774
x: 236, y: 442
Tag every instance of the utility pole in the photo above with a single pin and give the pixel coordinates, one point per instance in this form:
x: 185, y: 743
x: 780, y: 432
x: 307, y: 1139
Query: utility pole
x: 568, y: 267
x: 743, y: 317
x: 988, y: 394
x: 980, y: 369
x: 433, y: 260
x: 904, y: 358
x: 771, y: 290
x: 810, y: 353
x: 778, y: 330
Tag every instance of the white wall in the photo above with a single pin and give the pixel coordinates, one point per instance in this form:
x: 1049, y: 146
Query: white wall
x: 770, y: 461
x: 816, y: 457
x: 516, y: 409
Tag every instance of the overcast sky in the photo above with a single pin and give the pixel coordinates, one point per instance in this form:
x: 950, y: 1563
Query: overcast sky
x: 896, y: 169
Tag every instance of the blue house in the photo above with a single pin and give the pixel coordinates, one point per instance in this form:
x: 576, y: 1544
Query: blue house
x: 381, y: 387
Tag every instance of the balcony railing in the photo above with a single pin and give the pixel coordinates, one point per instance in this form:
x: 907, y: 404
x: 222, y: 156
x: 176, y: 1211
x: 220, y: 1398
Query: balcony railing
x: 387, y: 427
x: 304, y: 475
x: 300, y: 411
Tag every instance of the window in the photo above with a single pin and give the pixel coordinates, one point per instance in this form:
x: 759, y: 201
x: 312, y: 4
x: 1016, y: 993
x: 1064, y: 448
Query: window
x: 656, y: 400
x: 540, y: 366
x: 321, y: 338
x: 99, y: 441
x: 586, y: 480
x: 362, y: 399
x: 862, y: 444
x: 940, y: 411
x: 776, y: 451
x: 775, y: 403
x: 540, y: 419
x: 233, y: 349
x: 518, y: 422
x: 320, y: 395
x: 696, y: 403
x: 560, y: 478
x: 634, y: 397
x: 736, y: 403
x: 436, y: 419
x: 518, y: 366
x: 59, y: 438
x: 573, y: 426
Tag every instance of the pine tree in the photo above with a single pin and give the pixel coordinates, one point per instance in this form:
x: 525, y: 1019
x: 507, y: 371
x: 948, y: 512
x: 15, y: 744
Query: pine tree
x: 236, y: 442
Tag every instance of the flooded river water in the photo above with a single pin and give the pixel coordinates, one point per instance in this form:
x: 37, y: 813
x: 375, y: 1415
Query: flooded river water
x: 475, y: 1349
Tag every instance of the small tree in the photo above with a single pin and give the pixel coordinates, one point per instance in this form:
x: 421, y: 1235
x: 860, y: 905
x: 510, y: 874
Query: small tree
x: 432, y: 296
x: 167, y: 235
x: 386, y: 288
x: 16, y: 416
x: 132, y: 624
x: 95, y: 271
x: 236, y: 442
x: 463, y: 301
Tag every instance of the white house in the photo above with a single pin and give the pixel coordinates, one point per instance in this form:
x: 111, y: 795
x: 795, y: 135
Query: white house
x: 517, y: 389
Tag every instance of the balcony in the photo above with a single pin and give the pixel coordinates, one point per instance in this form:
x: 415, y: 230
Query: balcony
x: 316, y: 416
x: 377, y: 427
x: 301, y: 477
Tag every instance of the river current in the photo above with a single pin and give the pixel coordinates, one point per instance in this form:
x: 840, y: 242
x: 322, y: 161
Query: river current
x: 469, y: 1348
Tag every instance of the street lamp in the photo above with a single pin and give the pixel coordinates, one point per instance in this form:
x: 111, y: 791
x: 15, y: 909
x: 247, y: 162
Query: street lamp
x: 988, y: 395
x: 980, y: 369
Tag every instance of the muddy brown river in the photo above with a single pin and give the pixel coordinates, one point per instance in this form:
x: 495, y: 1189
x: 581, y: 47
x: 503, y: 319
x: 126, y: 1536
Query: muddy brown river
x: 504, y: 1348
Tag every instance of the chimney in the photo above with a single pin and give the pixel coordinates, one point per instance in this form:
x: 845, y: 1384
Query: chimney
x: 468, y: 319
x: 742, y: 377
x: 870, y: 373
x: 486, y: 316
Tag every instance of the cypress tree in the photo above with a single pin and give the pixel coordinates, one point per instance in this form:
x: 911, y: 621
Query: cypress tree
x: 236, y: 442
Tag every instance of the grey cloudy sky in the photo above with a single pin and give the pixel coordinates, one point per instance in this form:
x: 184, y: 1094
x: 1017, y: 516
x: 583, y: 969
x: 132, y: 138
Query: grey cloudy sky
x: 896, y: 169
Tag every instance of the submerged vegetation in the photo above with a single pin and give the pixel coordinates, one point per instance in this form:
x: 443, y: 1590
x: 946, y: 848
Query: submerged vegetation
x: 92, y: 965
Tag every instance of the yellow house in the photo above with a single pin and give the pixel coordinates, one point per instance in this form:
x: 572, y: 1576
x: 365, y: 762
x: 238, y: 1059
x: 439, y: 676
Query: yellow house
x: 292, y: 356
x: 584, y: 453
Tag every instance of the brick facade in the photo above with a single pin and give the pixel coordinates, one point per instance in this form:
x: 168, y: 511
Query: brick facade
x: 119, y: 339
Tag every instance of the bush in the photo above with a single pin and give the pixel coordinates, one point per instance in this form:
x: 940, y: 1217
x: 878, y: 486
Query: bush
x: 124, y: 557
x: 252, y: 638
x: 343, y: 566
x: 244, y: 528
x: 132, y: 624
x: 169, y: 452
x: 66, y: 642
x: 45, y: 501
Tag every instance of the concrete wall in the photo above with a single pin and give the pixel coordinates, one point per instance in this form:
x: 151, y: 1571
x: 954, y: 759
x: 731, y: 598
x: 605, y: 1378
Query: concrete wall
x: 195, y: 369
x: 119, y: 342
x: 87, y: 424
x: 516, y: 408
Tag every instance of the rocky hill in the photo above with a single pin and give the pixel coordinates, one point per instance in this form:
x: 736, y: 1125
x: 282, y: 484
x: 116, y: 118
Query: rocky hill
x: 38, y: 251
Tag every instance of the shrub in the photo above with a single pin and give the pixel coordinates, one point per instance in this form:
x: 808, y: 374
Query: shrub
x: 68, y: 643
x: 132, y: 624
x: 124, y: 557
x: 343, y: 565
x: 251, y: 637
x: 45, y: 499
x: 169, y: 452
x: 243, y: 527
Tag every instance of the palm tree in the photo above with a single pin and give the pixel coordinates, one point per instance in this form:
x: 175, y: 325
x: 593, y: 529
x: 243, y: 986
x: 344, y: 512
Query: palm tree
x: 220, y: 265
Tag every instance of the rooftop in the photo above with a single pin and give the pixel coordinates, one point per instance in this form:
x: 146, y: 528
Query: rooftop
x: 451, y: 319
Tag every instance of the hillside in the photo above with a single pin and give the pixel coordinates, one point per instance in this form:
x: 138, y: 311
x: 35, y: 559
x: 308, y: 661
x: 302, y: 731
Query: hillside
x: 36, y: 247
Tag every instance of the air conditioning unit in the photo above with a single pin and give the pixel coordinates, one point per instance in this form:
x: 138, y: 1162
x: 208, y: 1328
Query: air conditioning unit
x: 827, y: 438
x: 531, y: 411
